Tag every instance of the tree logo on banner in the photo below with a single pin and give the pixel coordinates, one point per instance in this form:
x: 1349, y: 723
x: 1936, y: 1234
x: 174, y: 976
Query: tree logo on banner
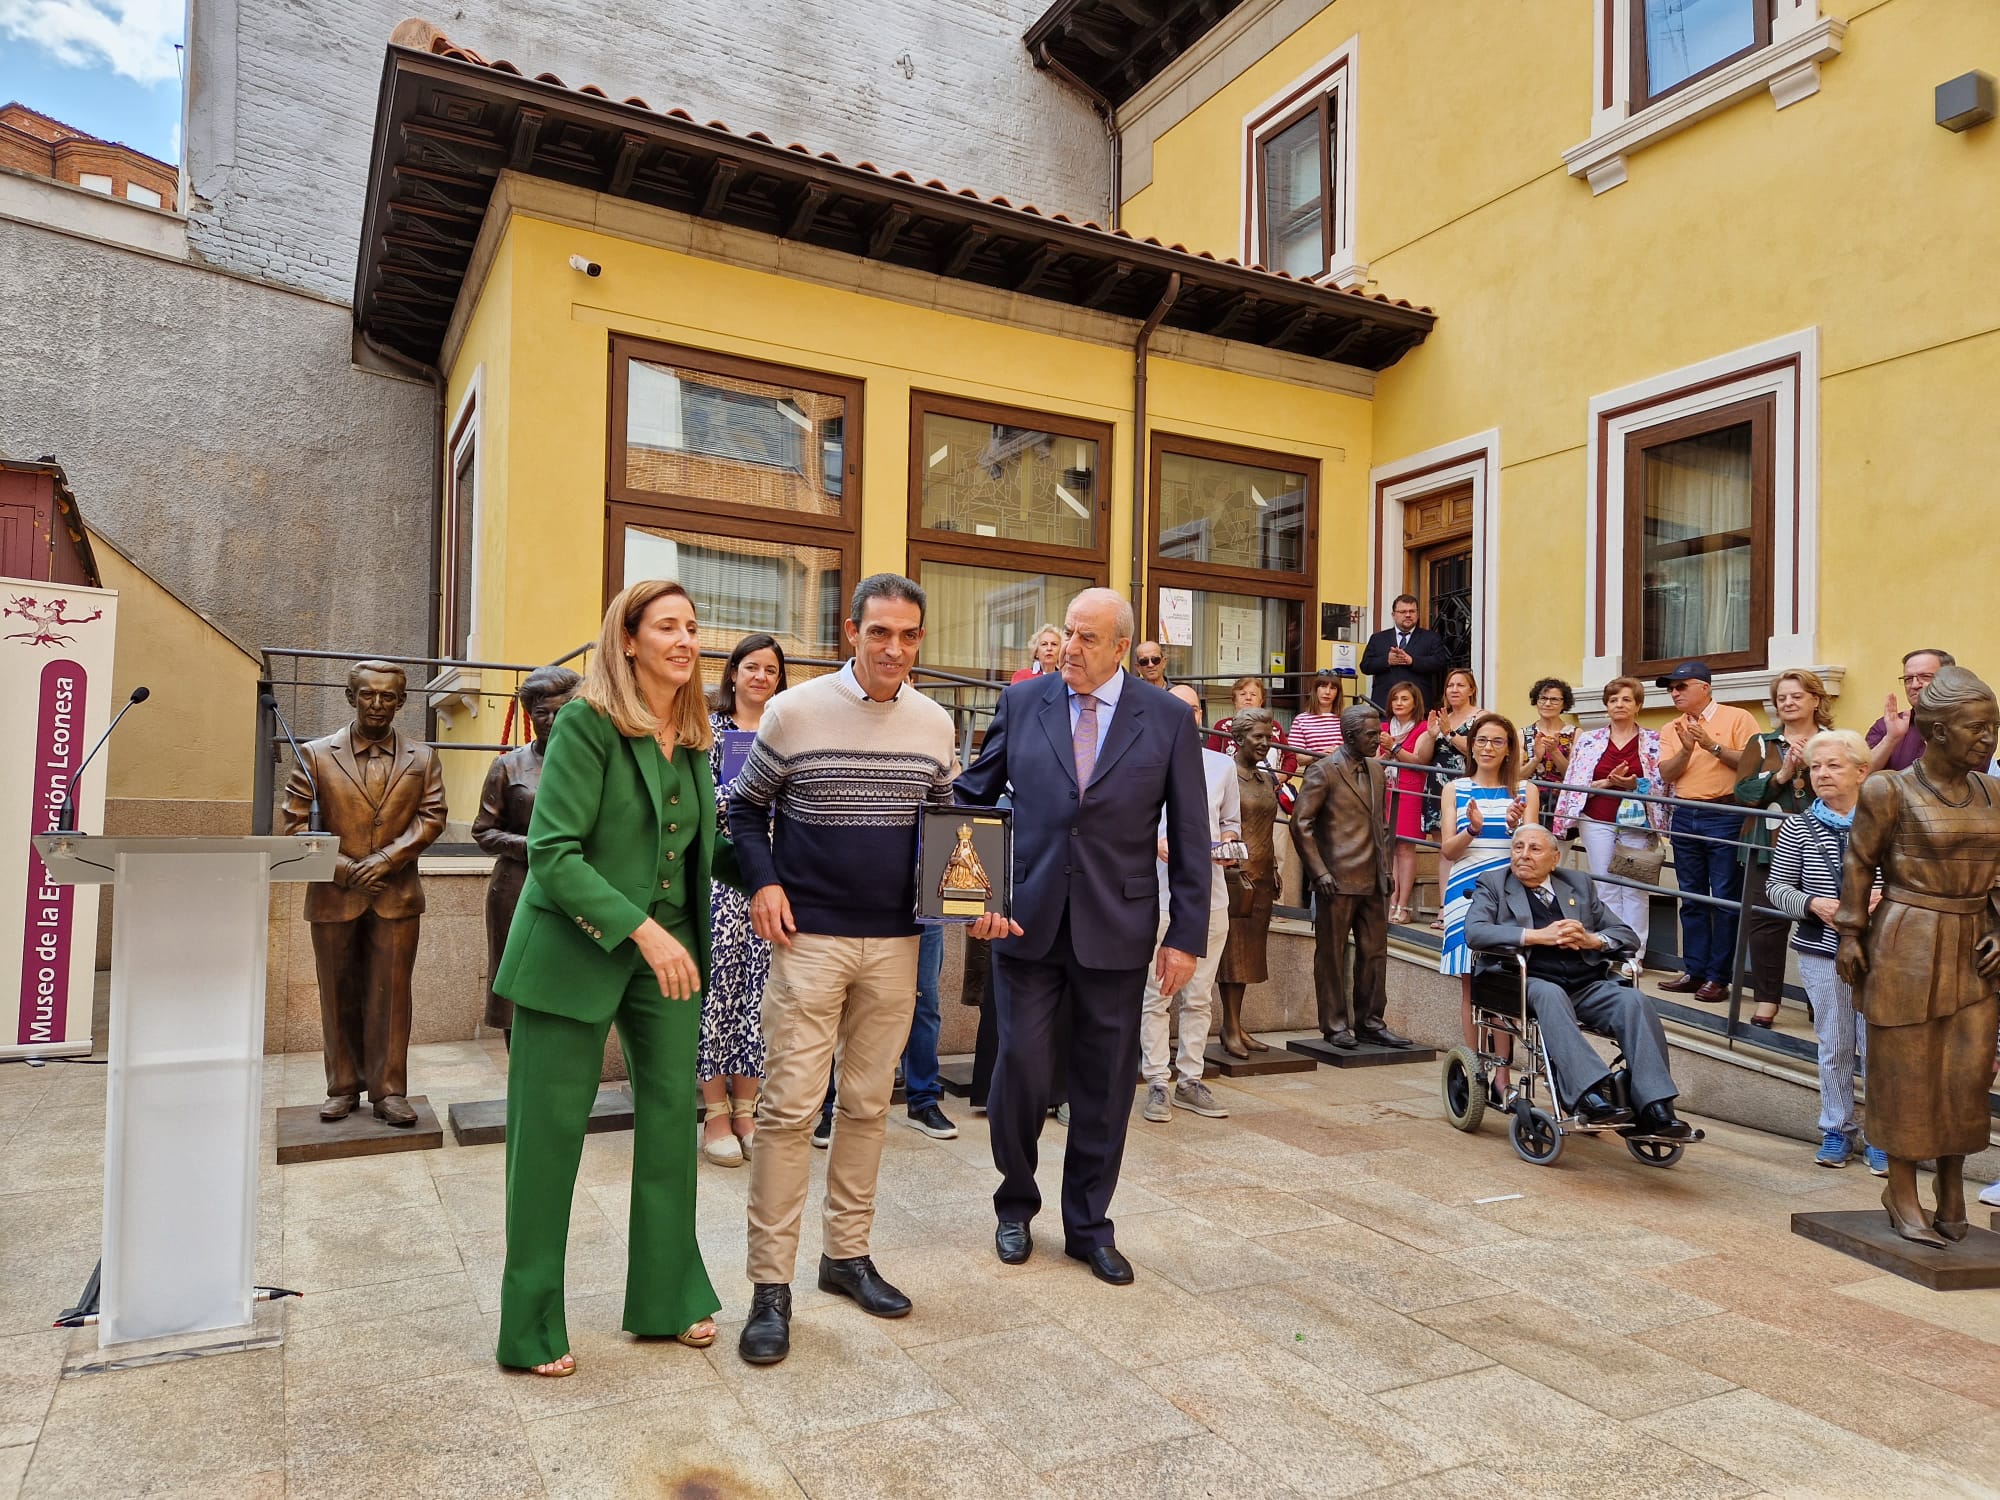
x: 44, y: 621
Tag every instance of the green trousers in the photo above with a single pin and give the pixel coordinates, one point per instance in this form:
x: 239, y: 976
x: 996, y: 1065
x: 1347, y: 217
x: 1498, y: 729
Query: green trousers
x: 552, y: 1077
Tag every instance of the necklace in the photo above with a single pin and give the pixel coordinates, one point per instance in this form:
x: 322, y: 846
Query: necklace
x: 1970, y: 788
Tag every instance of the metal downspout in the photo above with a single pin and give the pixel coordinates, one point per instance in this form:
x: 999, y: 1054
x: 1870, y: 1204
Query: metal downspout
x: 1141, y: 467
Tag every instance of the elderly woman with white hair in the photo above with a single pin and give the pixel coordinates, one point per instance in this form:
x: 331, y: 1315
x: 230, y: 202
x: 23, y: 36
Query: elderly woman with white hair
x: 1804, y: 884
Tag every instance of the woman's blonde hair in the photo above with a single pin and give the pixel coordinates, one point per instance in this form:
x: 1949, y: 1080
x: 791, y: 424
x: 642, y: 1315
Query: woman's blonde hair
x: 1839, y: 739
x: 1054, y: 630
x: 1471, y: 683
x: 611, y: 686
x: 1811, y: 681
x: 1263, y: 698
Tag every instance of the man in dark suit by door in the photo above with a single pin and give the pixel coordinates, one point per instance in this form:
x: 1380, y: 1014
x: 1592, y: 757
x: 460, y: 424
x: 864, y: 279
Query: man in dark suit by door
x: 1405, y: 652
x: 1092, y: 755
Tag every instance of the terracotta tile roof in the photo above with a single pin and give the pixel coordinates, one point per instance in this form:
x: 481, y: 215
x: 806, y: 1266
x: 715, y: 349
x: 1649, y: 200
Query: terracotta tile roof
x: 425, y: 37
x: 1220, y: 294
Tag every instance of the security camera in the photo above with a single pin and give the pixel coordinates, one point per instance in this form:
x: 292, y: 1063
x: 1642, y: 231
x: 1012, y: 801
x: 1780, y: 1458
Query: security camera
x: 588, y: 267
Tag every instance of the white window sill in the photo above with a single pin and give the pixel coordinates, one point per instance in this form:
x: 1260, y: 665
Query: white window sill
x: 1788, y: 68
x: 1745, y: 689
x: 455, y: 690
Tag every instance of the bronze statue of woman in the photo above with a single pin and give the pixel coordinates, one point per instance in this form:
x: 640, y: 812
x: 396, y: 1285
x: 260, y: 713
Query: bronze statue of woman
x: 1253, y: 882
x: 1925, y: 963
x: 506, y: 802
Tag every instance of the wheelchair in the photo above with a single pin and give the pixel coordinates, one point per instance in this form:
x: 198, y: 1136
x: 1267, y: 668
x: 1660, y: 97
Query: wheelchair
x: 1536, y: 1130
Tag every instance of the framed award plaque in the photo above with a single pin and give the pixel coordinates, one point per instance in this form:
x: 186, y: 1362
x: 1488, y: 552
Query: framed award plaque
x: 965, y: 863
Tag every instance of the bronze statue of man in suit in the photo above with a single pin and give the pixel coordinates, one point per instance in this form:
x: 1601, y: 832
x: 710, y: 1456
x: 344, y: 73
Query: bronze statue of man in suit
x: 383, y: 797
x: 1342, y: 834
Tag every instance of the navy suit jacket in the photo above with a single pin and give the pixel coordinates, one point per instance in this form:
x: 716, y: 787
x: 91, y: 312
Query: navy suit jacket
x: 1095, y: 854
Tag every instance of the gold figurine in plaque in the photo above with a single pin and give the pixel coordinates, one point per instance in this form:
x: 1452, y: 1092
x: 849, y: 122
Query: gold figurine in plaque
x: 964, y: 877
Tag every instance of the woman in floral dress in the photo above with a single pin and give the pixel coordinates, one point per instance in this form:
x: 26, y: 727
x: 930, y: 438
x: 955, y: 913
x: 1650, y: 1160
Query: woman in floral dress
x: 731, y: 1061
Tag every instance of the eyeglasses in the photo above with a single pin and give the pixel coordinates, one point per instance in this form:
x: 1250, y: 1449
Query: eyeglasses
x: 1151, y: 661
x: 1484, y: 743
x: 1918, y: 679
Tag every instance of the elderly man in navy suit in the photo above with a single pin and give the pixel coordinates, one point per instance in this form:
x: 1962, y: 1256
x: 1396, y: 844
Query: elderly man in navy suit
x: 1092, y: 756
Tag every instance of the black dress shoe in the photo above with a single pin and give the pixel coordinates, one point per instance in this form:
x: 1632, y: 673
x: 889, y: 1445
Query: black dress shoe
x: 1013, y: 1243
x: 1660, y: 1120
x: 1382, y: 1036
x: 767, y: 1336
x: 858, y: 1278
x: 1105, y: 1263
x: 1596, y: 1108
x: 1340, y: 1037
x: 394, y: 1109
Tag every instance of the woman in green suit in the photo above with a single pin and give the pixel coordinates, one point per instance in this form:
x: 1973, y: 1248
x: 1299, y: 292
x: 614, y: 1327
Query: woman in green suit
x: 613, y: 925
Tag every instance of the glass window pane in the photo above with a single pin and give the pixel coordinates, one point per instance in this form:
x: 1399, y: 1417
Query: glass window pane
x: 1294, y: 200
x: 1017, y: 483
x: 1239, y: 515
x: 1695, y: 590
x: 1237, y: 635
x: 739, y: 585
x: 1684, y: 37
x: 721, y: 437
x: 983, y: 620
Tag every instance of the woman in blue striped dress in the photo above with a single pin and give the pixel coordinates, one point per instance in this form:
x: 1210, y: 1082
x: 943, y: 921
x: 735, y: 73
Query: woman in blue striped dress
x: 1480, y: 812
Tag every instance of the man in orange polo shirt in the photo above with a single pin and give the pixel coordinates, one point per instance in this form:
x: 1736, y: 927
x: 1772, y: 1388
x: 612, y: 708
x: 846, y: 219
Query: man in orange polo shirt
x: 1698, y: 755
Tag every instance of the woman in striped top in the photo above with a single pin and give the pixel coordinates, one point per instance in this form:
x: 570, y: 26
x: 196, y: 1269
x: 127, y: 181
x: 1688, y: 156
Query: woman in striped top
x: 1318, y: 728
x: 1804, y: 884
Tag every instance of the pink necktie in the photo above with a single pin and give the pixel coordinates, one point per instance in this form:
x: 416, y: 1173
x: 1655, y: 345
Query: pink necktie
x: 1083, y: 739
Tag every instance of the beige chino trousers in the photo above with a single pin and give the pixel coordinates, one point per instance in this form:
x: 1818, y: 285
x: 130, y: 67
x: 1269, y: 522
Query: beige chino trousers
x: 827, y: 997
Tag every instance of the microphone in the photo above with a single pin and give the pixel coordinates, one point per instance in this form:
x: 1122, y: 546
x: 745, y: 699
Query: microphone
x: 66, y: 814
x: 268, y: 699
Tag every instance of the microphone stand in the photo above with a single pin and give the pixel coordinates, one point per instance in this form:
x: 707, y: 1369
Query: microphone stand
x: 66, y: 814
x: 270, y: 702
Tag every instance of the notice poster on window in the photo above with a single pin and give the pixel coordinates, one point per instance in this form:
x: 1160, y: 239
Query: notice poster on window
x: 55, y: 680
x: 1176, y: 617
x: 1239, y: 638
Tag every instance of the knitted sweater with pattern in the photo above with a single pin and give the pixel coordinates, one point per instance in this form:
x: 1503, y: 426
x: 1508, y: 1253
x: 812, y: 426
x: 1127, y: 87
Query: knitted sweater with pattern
x: 845, y: 776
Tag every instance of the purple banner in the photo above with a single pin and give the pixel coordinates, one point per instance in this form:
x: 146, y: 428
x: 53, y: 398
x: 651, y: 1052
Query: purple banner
x: 46, y: 934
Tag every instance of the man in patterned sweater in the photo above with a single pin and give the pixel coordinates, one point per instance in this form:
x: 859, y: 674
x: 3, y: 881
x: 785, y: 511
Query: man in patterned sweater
x: 845, y: 760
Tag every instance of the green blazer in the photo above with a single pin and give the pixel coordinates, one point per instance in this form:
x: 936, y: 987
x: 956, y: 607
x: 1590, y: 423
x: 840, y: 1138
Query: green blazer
x: 595, y: 865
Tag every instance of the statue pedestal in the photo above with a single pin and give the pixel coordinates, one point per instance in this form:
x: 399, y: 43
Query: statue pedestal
x: 1361, y: 1054
x: 1973, y: 1264
x: 1277, y: 1060
x: 304, y: 1136
x: 483, y: 1122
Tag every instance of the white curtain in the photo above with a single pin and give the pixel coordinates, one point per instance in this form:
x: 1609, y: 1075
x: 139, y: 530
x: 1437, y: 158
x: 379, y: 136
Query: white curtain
x: 1696, y: 597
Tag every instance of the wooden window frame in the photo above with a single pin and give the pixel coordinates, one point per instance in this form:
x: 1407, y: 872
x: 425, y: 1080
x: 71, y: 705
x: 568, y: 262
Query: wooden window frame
x: 458, y: 509
x: 1327, y: 91
x: 1641, y: 95
x: 1761, y: 413
x: 927, y: 543
x: 839, y: 531
x: 1220, y: 578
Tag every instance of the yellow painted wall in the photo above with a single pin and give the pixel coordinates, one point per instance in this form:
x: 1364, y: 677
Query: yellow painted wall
x: 542, y: 591
x: 1849, y: 211
x: 192, y: 740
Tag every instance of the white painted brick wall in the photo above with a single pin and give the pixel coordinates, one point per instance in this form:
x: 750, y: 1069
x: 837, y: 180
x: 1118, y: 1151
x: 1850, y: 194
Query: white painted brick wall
x: 278, y: 194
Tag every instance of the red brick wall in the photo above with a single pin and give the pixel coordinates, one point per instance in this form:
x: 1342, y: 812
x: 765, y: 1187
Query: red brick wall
x: 30, y: 142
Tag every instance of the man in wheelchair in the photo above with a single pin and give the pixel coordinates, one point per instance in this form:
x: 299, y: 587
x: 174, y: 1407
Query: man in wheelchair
x: 1571, y: 942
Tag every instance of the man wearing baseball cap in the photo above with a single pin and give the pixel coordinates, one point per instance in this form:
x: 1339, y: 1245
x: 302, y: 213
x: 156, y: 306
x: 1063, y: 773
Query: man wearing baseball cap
x: 1698, y: 755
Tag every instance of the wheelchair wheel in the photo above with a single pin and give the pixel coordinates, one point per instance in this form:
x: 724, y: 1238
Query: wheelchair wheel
x: 1656, y: 1153
x: 1464, y: 1089
x: 1535, y: 1137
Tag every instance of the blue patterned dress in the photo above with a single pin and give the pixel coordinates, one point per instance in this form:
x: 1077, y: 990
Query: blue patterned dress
x: 1488, y: 851
x: 732, y: 1038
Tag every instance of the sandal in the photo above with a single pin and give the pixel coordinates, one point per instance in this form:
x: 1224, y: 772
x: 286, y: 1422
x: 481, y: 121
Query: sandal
x: 556, y: 1369
x: 727, y: 1152
x: 694, y: 1340
x: 743, y: 1109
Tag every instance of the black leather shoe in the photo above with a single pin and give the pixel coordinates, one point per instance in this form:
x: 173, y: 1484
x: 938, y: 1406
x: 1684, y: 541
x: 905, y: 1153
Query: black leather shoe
x: 1660, y: 1120
x: 1105, y: 1263
x: 1340, y: 1037
x: 1013, y: 1243
x: 858, y: 1278
x: 1382, y: 1036
x: 767, y: 1336
x: 1596, y: 1108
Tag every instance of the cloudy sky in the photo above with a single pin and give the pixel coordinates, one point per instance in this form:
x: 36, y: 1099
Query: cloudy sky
x: 105, y: 66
